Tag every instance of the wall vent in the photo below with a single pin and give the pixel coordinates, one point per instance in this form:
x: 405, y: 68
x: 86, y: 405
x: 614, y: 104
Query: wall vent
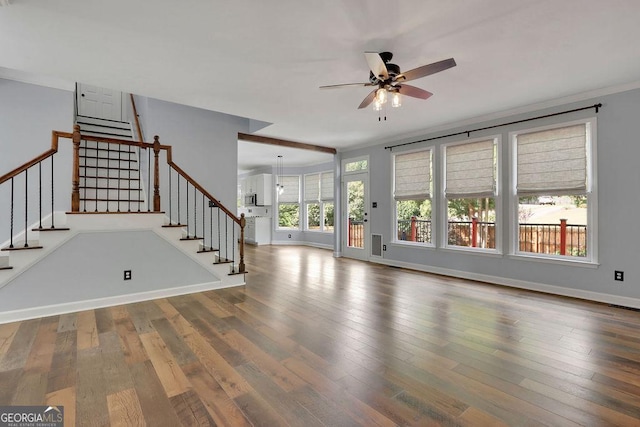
x: 376, y: 245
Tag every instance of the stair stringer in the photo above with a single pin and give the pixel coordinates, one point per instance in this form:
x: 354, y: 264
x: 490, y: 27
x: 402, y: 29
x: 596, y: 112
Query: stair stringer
x: 22, y: 260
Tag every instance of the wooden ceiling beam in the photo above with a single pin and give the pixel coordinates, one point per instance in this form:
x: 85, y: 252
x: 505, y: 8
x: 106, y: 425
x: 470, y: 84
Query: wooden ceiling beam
x: 285, y: 143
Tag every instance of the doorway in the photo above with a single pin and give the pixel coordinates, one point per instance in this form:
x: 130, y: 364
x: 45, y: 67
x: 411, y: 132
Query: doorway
x: 99, y: 103
x: 355, y: 213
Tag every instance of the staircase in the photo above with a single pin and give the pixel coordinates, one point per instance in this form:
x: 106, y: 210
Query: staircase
x: 110, y: 171
x: 110, y: 174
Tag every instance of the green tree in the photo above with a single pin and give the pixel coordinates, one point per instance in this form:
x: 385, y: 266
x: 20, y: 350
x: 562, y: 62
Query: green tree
x: 288, y: 215
x: 313, y: 215
x: 355, y: 193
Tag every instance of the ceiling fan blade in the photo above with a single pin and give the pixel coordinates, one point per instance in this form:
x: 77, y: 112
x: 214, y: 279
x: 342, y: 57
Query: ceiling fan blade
x: 414, y: 92
x: 346, y: 85
x: 426, y: 70
x: 368, y: 100
x: 376, y: 65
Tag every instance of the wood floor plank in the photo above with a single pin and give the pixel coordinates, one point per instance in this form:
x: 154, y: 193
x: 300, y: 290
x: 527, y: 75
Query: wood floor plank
x: 222, y: 409
x: 132, y: 347
x: 171, y: 376
x: 7, y: 333
x: 114, y: 365
x: 104, y: 320
x: 124, y: 409
x: 31, y: 389
x: 65, y: 397
x: 155, y: 404
x: 91, y: 393
x: 190, y: 409
x: 16, y: 355
x: 87, y: 330
x: 41, y: 354
x: 317, y: 340
x: 64, y: 363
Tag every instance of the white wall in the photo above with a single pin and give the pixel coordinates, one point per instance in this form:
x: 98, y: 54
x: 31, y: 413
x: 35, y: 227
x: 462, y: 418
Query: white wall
x: 618, y: 203
x: 28, y: 114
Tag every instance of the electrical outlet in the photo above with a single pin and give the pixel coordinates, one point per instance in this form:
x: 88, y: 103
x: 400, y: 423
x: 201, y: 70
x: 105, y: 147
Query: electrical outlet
x: 384, y: 247
x: 618, y: 275
x: 127, y: 275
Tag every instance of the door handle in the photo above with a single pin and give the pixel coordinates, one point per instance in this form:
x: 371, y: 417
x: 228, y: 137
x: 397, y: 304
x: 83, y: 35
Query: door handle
x: 366, y: 220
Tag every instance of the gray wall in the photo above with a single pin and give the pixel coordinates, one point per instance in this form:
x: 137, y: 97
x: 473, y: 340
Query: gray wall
x: 60, y: 278
x: 205, y: 145
x: 28, y: 114
x: 618, y: 203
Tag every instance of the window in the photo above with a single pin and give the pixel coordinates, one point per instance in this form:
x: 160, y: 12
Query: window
x: 412, y: 195
x: 470, y: 194
x: 356, y: 166
x: 553, y: 191
x: 289, y: 203
x: 318, y: 197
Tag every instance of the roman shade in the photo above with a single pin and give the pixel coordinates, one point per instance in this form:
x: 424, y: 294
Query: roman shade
x: 311, y: 187
x: 412, y: 178
x: 326, y: 186
x: 552, y: 161
x: 470, y: 170
x: 291, y: 193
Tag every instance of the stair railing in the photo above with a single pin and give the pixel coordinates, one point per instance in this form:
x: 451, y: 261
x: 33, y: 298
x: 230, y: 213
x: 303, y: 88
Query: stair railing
x: 21, y: 174
x: 217, y: 227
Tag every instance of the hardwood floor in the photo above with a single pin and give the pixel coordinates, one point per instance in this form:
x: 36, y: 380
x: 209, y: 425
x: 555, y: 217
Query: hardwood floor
x: 317, y: 341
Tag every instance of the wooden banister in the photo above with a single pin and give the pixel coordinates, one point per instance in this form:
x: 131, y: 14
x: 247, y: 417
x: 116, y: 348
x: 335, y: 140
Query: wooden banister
x: 55, y: 135
x: 75, y: 182
x: 137, y: 120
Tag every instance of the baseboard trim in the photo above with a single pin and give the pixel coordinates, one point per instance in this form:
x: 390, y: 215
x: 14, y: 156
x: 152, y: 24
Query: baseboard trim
x: 71, y: 307
x: 514, y: 283
x: 299, y: 243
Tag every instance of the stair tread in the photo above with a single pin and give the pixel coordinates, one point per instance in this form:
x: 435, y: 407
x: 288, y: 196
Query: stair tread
x: 201, y: 251
x: 115, y: 159
x: 109, y: 188
x: 174, y: 225
x: 6, y: 268
x: 114, y: 213
x: 111, y: 177
x: 51, y: 229
x: 21, y: 248
x: 110, y: 200
x: 192, y: 238
x: 223, y: 261
x: 109, y: 168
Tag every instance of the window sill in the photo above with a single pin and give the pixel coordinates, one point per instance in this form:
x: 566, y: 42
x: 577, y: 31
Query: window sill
x: 560, y: 261
x: 492, y: 253
x: 408, y: 244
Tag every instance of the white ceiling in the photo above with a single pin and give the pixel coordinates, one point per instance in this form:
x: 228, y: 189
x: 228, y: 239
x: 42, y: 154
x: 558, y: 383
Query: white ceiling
x: 265, y: 60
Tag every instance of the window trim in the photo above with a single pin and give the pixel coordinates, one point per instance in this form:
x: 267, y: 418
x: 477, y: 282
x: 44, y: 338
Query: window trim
x: 343, y: 166
x: 443, y: 224
x: 394, y: 210
x: 278, y: 203
x: 592, y: 197
x: 319, y: 202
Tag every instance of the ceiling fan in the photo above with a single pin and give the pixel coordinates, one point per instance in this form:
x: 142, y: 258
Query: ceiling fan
x: 391, y: 81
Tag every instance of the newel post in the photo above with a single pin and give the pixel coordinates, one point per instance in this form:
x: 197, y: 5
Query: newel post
x: 156, y: 174
x: 243, y: 221
x: 75, y: 183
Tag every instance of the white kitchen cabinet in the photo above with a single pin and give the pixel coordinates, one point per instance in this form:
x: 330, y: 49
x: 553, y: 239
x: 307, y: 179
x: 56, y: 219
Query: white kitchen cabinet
x: 257, y: 230
x: 263, y: 189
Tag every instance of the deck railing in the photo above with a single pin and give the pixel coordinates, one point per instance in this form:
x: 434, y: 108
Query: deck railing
x: 558, y: 239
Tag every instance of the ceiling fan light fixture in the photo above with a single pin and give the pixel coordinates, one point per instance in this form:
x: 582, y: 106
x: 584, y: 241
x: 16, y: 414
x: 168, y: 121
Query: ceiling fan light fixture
x: 377, y: 106
x: 396, y: 100
x: 381, y: 95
